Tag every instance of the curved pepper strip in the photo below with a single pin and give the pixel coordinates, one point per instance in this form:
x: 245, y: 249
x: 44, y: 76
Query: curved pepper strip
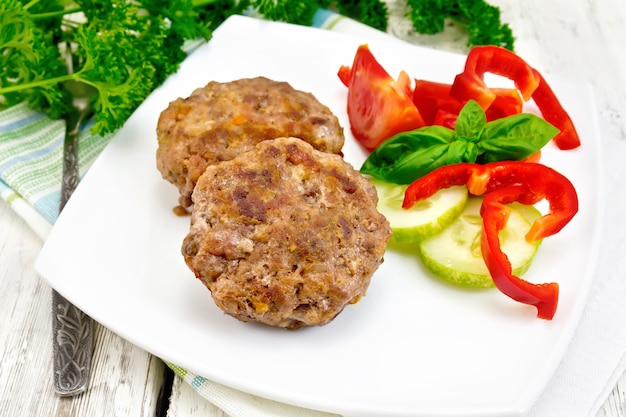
x: 553, y: 112
x: 470, y: 84
x: 500, y: 183
x: 508, y: 102
x: 495, y: 214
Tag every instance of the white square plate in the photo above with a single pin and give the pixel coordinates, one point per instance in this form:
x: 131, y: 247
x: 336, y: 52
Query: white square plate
x: 413, y: 346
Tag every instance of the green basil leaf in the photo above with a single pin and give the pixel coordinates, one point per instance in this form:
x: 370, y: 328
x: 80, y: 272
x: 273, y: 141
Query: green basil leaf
x: 387, y: 153
x: 463, y: 151
x: 514, y: 137
x: 415, y: 164
x: 471, y: 122
x: 410, y: 155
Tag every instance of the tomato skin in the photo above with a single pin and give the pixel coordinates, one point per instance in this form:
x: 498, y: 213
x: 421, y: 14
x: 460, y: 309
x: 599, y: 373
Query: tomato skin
x: 344, y: 74
x: 378, y: 106
x: 445, y: 118
x: 433, y: 100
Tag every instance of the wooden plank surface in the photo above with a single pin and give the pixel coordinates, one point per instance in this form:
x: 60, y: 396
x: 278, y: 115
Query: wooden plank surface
x: 126, y: 381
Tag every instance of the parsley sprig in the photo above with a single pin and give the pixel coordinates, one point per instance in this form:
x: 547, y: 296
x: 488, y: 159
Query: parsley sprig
x: 481, y: 20
x: 125, y: 49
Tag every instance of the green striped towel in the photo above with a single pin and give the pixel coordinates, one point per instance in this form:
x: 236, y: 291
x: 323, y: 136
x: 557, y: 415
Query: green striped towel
x: 31, y: 160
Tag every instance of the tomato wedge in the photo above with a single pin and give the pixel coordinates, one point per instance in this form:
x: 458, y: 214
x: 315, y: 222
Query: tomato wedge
x: 378, y: 105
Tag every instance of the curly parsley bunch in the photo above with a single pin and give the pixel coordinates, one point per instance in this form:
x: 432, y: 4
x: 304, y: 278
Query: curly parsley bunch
x: 125, y: 49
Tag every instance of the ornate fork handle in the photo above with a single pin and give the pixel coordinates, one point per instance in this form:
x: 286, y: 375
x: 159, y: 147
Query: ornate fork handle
x: 72, y: 329
x: 72, y: 347
x: 70, y: 177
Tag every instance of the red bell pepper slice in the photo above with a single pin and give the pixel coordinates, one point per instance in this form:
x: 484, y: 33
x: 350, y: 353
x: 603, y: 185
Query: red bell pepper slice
x: 470, y: 84
x: 553, y: 112
x: 495, y: 214
x: 438, y: 107
x: 507, y: 103
x: 378, y: 106
x: 502, y: 182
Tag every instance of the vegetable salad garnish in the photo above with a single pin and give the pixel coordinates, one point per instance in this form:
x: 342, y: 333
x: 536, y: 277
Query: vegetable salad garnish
x: 502, y: 183
x: 471, y: 135
x: 407, y: 156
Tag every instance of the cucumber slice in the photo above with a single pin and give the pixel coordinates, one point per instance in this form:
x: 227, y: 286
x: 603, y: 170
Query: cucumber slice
x: 426, y: 218
x: 530, y: 213
x: 454, y: 254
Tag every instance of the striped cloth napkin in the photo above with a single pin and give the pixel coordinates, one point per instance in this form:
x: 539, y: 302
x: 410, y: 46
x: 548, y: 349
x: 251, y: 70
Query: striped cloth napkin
x: 31, y: 149
x: 31, y: 160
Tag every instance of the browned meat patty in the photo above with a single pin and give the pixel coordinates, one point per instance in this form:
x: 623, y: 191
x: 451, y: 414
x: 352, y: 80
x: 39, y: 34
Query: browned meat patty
x: 222, y: 120
x: 285, y: 235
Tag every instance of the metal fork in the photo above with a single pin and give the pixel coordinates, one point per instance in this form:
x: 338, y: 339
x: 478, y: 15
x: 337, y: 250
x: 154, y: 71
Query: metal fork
x: 72, y: 330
